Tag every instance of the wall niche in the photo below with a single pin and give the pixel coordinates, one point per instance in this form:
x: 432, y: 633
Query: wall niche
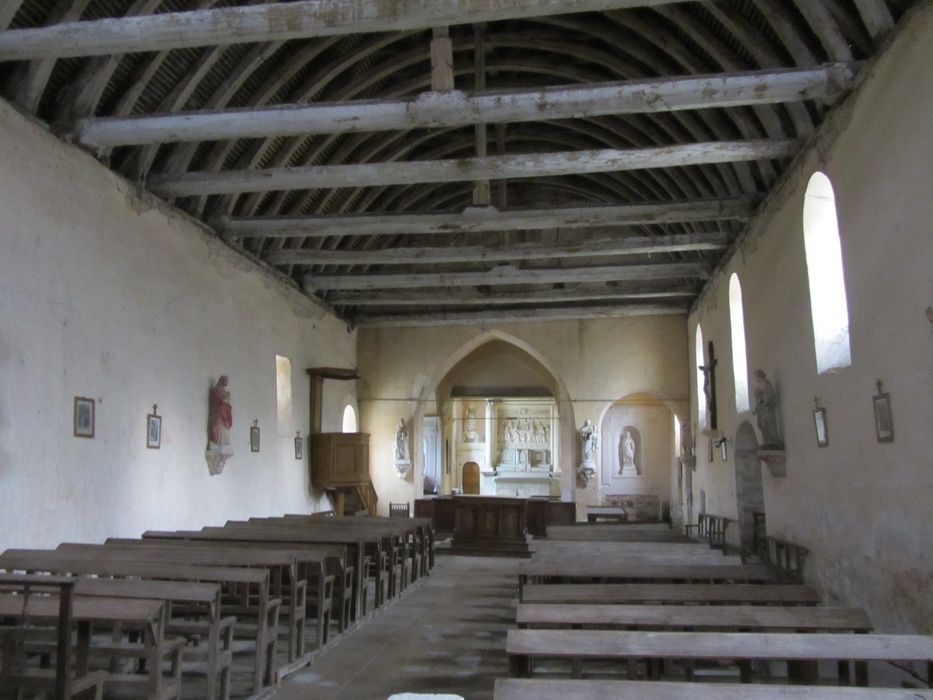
x: 636, y: 450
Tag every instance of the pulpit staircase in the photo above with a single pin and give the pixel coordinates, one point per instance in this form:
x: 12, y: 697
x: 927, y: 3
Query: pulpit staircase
x: 351, y: 499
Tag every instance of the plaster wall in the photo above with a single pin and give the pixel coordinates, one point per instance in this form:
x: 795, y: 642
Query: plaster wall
x: 114, y: 296
x: 861, y: 507
x: 594, y: 363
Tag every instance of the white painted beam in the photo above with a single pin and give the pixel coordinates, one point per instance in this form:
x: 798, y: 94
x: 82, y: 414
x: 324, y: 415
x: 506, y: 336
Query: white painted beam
x: 456, y: 109
x: 466, y: 169
x: 490, y: 219
x: 508, y: 275
x: 276, y: 22
x: 602, y: 247
x: 474, y: 297
x: 564, y: 313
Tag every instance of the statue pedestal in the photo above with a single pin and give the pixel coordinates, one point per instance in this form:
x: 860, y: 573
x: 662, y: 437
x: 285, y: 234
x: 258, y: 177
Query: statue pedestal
x: 774, y: 460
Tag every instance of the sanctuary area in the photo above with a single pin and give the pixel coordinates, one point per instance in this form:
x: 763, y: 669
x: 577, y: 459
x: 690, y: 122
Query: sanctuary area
x: 513, y: 349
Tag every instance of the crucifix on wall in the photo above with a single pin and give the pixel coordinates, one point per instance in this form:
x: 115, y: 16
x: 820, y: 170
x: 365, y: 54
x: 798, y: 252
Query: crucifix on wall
x: 709, y: 386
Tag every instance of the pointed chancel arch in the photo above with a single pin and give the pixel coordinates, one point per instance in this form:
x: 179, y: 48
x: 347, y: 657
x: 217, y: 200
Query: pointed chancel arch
x: 435, y: 392
x: 739, y: 359
x: 828, y: 304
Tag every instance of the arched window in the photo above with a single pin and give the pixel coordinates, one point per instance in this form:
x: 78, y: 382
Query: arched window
x: 739, y: 359
x: 824, y: 268
x: 349, y: 419
x: 283, y: 394
x: 701, y: 395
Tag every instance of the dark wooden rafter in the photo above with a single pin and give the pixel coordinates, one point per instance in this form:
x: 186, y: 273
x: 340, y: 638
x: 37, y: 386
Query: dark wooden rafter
x: 332, y: 199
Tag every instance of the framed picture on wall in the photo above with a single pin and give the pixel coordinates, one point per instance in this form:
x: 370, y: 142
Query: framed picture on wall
x: 298, y: 442
x: 884, y: 424
x: 254, y: 437
x: 154, y: 430
x: 819, y: 423
x: 83, y: 417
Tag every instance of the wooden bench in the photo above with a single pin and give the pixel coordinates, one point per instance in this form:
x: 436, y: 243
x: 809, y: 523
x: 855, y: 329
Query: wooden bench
x: 712, y: 528
x: 187, y: 603
x: 692, y: 617
x: 319, y: 566
x: 609, y: 514
x: 116, y: 616
x: 621, y: 571
x: 554, y: 689
x: 636, y: 559
x: 577, y: 646
x: 613, y: 533
x: 672, y: 594
x: 282, y: 566
x: 64, y: 679
x: 254, y: 584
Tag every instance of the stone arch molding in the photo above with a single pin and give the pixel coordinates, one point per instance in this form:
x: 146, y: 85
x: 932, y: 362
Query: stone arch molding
x: 679, y: 408
x: 427, y: 391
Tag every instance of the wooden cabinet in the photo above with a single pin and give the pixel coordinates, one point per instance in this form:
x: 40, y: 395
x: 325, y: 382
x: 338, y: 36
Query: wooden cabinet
x: 339, y: 459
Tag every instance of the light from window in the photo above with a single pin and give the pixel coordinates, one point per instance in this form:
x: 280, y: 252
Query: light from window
x: 677, y: 444
x: 824, y: 268
x: 739, y: 359
x: 283, y: 394
x: 349, y: 419
x: 701, y: 395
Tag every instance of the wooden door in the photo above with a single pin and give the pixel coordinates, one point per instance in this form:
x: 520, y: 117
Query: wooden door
x: 470, y: 478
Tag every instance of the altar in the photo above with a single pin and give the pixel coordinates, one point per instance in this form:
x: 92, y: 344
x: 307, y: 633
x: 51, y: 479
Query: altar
x: 514, y: 442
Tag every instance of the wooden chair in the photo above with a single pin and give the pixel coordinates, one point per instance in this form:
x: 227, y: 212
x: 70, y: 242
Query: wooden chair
x: 399, y: 510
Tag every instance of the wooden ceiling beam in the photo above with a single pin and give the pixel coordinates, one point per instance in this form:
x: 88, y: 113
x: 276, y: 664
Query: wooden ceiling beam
x: 466, y: 169
x: 445, y: 318
x: 474, y: 297
x: 454, y: 108
x: 276, y: 22
x: 490, y: 219
x: 601, y: 247
x: 507, y: 275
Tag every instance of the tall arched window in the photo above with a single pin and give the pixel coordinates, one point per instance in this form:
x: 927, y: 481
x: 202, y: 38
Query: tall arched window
x: 701, y: 395
x: 824, y: 268
x: 349, y: 419
x: 283, y: 394
x: 739, y: 359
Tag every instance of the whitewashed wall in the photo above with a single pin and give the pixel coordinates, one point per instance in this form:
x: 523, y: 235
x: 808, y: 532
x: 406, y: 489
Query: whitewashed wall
x: 108, y: 295
x: 862, y: 508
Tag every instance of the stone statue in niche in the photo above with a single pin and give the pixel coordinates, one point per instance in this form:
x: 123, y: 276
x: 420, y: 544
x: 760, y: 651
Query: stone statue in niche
x: 589, y: 439
x: 627, y: 448
x: 766, y: 411
x: 220, y: 420
x: 469, y: 431
x: 402, y: 454
x: 686, y: 439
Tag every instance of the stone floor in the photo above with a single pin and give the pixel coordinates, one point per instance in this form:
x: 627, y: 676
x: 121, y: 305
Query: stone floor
x: 445, y: 636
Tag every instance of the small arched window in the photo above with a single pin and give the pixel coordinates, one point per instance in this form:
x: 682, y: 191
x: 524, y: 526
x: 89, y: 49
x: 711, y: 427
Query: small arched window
x: 349, y: 419
x: 828, y: 304
x: 701, y: 394
x: 739, y: 359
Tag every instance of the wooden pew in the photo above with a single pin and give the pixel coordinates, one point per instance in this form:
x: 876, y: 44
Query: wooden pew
x: 389, y: 535
x: 672, y: 594
x: 525, y: 646
x: 146, y: 616
x: 319, y: 565
x: 255, y: 582
x: 612, y: 533
x: 621, y: 571
x: 627, y: 548
x: 693, y: 617
x: 264, y: 536
x: 282, y: 566
x: 554, y: 689
x: 188, y: 599
x: 65, y: 679
x: 584, y: 554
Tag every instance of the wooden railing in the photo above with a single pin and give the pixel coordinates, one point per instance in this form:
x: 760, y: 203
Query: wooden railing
x: 787, y: 557
x: 711, y: 528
